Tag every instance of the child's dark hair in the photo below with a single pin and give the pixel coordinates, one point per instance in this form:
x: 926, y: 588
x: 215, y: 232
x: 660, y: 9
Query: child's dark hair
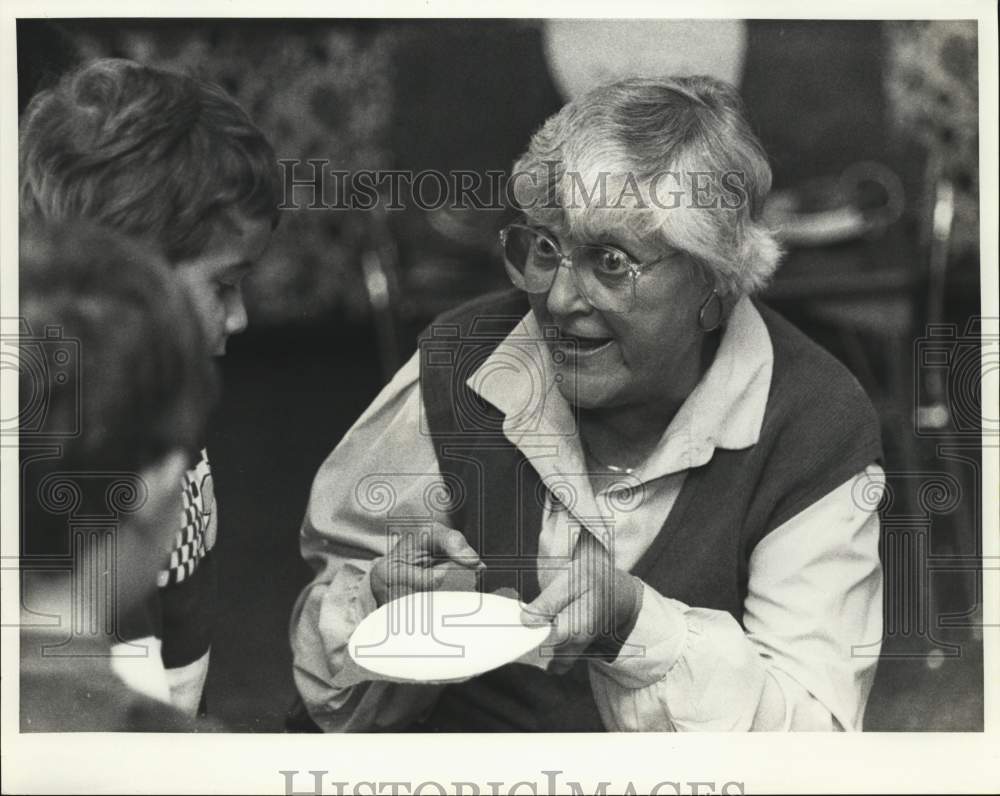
x: 148, y: 152
x: 143, y: 385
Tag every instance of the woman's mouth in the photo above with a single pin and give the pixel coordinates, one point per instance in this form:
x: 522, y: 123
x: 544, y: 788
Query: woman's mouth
x: 583, y: 347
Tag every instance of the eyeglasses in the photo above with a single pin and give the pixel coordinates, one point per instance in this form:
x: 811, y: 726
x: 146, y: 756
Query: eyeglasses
x: 605, y: 275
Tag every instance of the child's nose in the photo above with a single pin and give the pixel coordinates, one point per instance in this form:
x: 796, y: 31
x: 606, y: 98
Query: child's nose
x: 236, y: 312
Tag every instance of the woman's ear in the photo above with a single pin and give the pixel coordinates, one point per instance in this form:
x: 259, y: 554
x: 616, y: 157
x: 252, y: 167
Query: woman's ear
x: 730, y: 298
x: 728, y: 292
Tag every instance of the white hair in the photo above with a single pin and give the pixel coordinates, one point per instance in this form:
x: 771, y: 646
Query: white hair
x: 632, y: 153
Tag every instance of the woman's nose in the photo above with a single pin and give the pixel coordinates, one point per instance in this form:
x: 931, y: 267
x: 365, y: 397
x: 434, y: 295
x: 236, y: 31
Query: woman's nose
x: 564, y: 296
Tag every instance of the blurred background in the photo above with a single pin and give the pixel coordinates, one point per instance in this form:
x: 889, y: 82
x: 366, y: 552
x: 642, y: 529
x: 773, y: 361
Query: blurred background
x: 872, y: 128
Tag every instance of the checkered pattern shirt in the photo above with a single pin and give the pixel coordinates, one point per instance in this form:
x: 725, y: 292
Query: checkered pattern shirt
x: 199, y: 522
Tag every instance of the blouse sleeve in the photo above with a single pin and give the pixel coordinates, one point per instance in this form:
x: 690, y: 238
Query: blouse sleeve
x: 806, y: 658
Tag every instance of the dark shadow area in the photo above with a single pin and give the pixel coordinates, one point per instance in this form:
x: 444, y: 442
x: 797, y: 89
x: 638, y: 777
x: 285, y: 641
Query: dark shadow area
x: 289, y: 397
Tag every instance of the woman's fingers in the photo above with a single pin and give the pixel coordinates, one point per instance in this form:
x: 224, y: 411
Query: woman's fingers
x: 572, y: 632
x: 587, y: 574
x: 443, y: 541
x: 452, y: 577
x: 576, y: 604
x: 554, y: 597
x: 580, y: 622
x: 411, y: 564
x: 420, y: 546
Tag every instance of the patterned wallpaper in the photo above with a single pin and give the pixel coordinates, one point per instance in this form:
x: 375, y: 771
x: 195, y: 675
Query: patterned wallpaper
x: 317, y: 90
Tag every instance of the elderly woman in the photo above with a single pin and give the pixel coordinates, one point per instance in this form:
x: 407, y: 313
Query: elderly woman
x: 666, y: 471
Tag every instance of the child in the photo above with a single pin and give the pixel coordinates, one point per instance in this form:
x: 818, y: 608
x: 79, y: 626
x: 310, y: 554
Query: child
x: 115, y: 390
x: 175, y: 160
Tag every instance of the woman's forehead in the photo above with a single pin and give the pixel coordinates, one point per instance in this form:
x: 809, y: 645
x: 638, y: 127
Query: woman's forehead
x: 624, y: 228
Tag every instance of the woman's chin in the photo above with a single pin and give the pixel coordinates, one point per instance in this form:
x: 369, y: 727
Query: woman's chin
x: 587, y: 392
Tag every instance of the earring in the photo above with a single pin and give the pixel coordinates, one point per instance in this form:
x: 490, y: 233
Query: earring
x: 710, y: 320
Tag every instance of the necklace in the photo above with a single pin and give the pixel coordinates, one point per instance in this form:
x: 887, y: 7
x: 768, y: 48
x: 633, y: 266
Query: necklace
x: 617, y: 469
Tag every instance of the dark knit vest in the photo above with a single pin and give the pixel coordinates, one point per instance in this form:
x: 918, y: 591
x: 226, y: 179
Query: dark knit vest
x: 819, y: 429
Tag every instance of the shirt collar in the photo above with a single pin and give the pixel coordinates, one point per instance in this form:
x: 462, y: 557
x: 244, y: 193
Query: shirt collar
x: 725, y: 409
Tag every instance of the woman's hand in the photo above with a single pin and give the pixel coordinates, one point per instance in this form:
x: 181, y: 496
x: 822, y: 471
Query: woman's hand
x: 426, y: 559
x: 591, y: 605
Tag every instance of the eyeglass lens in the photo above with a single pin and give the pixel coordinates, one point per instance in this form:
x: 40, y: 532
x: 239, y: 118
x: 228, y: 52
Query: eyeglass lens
x: 602, y: 273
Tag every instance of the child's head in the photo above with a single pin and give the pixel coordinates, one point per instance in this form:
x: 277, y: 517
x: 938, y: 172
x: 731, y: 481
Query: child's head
x: 114, y: 372
x: 162, y: 156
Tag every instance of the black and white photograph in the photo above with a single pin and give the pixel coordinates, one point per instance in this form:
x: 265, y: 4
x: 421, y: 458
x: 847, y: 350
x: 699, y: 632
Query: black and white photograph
x: 613, y: 388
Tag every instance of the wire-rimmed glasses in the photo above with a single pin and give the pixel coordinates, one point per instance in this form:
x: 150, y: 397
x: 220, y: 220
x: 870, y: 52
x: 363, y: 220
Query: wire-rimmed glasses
x: 604, y: 274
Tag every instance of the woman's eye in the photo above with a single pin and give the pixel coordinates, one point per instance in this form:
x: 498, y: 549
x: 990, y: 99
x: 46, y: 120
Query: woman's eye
x: 545, y: 248
x: 613, y: 263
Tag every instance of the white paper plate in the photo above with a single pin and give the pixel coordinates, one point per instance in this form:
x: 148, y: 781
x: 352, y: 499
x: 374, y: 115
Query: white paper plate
x: 443, y: 635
